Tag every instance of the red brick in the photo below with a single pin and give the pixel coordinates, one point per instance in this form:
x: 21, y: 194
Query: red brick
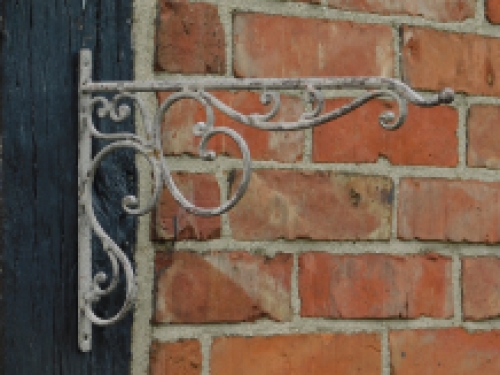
x: 315, y: 205
x: 222, y: 287
x: 484, y: 137
x: 465, y: 62
x: 170, y: 221
x: 177, y: 358
x: 481, y: 288
x: 436, y: 10
x: 445, y: 352
x: 375, y: 286
x: 277, y: 46
x: 317, y: 354
x: 493, y: 11
x: 449, y: 210
x: 428, y: 137
x: 189, y: 38
x: 178, y: 138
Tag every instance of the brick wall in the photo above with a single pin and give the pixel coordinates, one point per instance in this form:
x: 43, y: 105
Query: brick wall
x: 356, y: 250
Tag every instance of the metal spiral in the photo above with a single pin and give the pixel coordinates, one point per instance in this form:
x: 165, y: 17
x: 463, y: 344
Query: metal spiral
x: 94, y: 287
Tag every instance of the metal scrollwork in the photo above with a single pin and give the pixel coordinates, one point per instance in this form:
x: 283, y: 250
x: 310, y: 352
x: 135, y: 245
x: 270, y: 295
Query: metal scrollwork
x: 119, y: 108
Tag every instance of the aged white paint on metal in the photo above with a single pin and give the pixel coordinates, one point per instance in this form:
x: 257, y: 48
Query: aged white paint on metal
x: 150, y: 147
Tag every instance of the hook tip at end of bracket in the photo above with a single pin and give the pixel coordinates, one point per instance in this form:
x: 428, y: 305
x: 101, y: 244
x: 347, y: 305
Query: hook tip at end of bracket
x: 85, y: 345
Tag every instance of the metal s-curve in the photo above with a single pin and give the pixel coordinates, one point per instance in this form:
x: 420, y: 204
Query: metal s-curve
x: 206, y: 131
x: 119, y: 107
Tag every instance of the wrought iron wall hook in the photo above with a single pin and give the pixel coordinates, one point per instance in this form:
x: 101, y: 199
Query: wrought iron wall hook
x: 90, y: 287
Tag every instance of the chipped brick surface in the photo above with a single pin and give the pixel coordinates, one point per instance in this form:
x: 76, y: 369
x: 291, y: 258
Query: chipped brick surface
x: 483, y: 137
x: 437, y: 10
x: 314, y: 205
x: 428, y: 137
x: 444, y: 352
x: 481, y: 288
x: 449, y: 210
x: 375, y: 286
x: 222, y: 287
x: 314, y: 354
x: 189, y: 38
x: 435, y: 59
x: 278, y: 46
x: 176, y: 358
x: 171, y: 222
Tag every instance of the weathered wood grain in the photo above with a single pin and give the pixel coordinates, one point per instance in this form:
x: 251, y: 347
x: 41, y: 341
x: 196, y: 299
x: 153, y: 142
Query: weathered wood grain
x: 39, y: 113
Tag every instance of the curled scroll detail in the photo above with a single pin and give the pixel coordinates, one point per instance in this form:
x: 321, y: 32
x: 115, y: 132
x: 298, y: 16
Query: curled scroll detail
x: 147, y: 143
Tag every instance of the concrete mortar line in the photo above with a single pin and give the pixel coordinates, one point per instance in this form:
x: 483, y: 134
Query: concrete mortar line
x: 224, y: 188
x: 294, y: 288
x: 226, y: 18
x: 488, y: 325
x: 144, y: 268
x: 308, y: 146
x: 481, y: 12
x: 385, y: 353
x: 394, y: 247
x: 395, y: 206
x: 396, y: 45
x: 144, y: 14
x: 206, y: 346
x: 463, y: 112
x: 303, y: 10
x: 483, y: 100
x: 457, y: 289
x: 169, y: 333
x: 142, y: 331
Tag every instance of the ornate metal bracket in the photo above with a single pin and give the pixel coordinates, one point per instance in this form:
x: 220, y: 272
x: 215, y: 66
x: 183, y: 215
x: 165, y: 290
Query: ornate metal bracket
x: 149, y: 145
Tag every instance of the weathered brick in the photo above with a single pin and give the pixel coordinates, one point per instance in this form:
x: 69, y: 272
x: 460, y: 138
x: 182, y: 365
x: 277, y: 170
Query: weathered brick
x: 445, y: 352
x: 449, y: 210
x: 428, y: 137
x: 170, y: 221
x: 222, y: 287
x: 375, y: 286
x: 315, y: 205
x: 277, y: 46
x: 493, y: 11
x: 189, y: 38
x: 436, y: 10
x: 434, y: 59
x: 177, y: 358
x: 178, y: 138
x: 481, y: 288
x: 484, y: 137
x: 317, y: 354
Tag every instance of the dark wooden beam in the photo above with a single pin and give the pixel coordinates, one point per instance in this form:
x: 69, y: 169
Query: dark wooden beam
x: 39, y: 116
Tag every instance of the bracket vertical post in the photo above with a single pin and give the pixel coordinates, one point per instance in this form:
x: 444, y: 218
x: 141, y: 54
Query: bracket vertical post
x: 84, y: 229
